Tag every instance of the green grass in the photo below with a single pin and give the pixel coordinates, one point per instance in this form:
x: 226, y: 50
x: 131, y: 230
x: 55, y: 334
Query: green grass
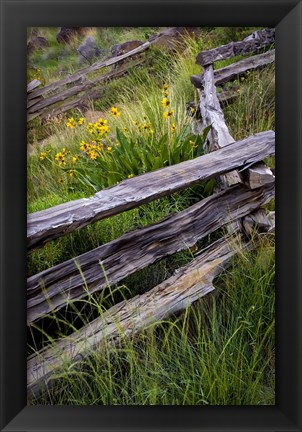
x: 218, y: 352
x: 221, y: 350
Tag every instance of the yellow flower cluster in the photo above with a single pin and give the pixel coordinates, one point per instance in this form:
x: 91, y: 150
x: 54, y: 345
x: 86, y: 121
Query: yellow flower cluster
x: 145, y: 126
x: 71, y: 123
x: 37, y: 74
x: 115, y: 111
x: 61, y: 156
x: 99, y: 128
x: 91, y: 149
x: 165, y: 103
x: 43, y: 155
x: 99, y: 131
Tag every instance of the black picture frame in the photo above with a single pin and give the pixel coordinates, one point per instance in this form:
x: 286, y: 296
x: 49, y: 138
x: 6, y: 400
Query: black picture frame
x: 286, y: 16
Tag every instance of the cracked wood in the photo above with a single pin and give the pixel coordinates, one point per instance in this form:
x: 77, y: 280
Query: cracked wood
x: 191, y: 282
x: 53, y: 288
x: 238, y: 69
x: 54, y: 222
x: 257, y: 40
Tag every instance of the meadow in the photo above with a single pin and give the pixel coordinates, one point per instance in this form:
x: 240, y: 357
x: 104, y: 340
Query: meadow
x: 221, y: 350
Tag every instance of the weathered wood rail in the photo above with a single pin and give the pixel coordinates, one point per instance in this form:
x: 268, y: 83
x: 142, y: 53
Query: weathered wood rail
x: 54, y: 222
x: 238, y: 69
x: 44, y: 102
x: 61, y: 95
x: 110, y: 263
x: 129, y: 317
x: 253, y: 42
x: 41, y: 106
x: 246, y: 185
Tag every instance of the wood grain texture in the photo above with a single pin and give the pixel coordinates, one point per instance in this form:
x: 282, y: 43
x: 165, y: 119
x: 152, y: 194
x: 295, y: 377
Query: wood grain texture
x: 54, y: 222
x: 258, y: 221
x: 77, y: 101
x: 32, y: 85
x: 254, y: 42
x: 82, y: 86
x: 212, y: 114
x: 53, y: 288
x: 237, y: 70
x: 257, y: 175
x: 129, y: 317
x: 80, y: 74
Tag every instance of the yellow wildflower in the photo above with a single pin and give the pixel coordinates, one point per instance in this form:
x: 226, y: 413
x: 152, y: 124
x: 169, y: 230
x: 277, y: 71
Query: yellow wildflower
x: 168, y: 114
x: 135, y: 122
x: 130, y: 175
x: 109, y: 149
x: 173, y: 127
x: 102, y: 121
x: 81, y: 121
x: 64, y: 151
x: 90, y: 128
x: 165, y: 86
x: 125, y: 129
x: 165, y: 93
x: 60, y: 158
x: 115, y: 111
x: 93, y: 154
x: 71, y: 123
x: 165, y: 102
x: 43, y: 155
x: 71, y: 172
x: 74, y: 159
x: 104, y: 129
x: 85, y: 146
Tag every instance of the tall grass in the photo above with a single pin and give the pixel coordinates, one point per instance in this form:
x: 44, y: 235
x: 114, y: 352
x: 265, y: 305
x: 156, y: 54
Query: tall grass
x: 218, y: 352
x: 221, y: 350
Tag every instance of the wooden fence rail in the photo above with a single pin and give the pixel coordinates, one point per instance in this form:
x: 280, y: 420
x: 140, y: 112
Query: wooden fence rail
x: 238, y: 69
x: 129, y: 317
x: 59, y: 96
x: 41, y: 106
x: 54, y: 222
x: 253, y: 42
x: 74, y: 279
x: 237, y: 208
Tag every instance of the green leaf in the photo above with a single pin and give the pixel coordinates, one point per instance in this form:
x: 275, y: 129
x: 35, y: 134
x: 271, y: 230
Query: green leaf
x: 201, y: 140
x: 209, y: 187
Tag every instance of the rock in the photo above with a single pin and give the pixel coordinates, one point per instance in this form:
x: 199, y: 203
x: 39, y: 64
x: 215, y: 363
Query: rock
x: 123, y: 48
x: 172, y: 39
x: 66, y: 33
x: 88, y: 50
x: 36, y: 42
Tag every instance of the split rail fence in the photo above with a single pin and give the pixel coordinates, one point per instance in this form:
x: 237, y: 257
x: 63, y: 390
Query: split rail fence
x: 245, y: 185
x: 84, y: 85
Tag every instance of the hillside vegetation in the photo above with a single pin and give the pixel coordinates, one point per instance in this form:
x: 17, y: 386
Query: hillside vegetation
x: 221, y: 350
